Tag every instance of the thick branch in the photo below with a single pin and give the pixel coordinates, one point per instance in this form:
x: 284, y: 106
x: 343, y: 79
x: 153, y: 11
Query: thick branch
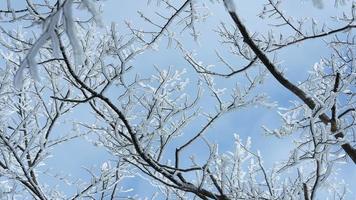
x: 285, y: 82
x: 188, y: 187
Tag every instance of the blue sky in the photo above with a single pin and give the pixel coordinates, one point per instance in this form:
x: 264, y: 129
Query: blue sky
x: 71, y: 157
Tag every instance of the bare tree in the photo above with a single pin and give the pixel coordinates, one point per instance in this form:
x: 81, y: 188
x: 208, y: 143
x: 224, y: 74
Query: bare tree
x: 148, y: 121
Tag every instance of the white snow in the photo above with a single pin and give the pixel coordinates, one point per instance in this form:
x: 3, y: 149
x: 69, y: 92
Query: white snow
x: 30, y: 62
x: 93, y: 9
x: 71, y: 33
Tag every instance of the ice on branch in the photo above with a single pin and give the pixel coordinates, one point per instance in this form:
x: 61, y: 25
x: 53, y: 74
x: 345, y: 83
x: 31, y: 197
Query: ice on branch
x: 71, y: 32
x: 30, y: 61
x: 53, y: 35
x: 94, y: 10
x: 230, y: 5
x: 105, y: 167
x: 49, y: 34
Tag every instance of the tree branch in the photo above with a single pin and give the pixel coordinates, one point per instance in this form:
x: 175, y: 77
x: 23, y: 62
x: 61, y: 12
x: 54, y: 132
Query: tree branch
x: 285, y: 82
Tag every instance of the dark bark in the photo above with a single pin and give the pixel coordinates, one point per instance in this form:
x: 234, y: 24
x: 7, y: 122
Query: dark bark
x: 351, y: 152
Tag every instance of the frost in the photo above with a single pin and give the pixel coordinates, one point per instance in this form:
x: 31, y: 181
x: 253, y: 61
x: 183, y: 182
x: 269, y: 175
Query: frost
x: 4, y: 188
x: 53, y: 35
x: 93, y: 9
x: 50, y: 34
x: 30, y: 62
x: 342, y: 140
x: 71, y: 32
x: 347, y: 91
x: 18, y: 79
x: 152, y: 112
x: 105, y: 167
x: 55, y: 45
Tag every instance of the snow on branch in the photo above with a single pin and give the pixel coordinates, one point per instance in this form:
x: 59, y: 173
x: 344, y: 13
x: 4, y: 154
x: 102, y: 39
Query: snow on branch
x: 49, y: 34
x: 71, y: 32
x: 29, y: 60
x: 94, y: 10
